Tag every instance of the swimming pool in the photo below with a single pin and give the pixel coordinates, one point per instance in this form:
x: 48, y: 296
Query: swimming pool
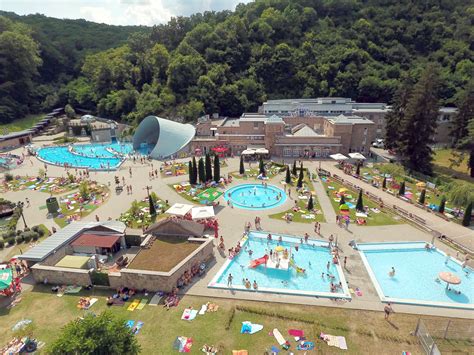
x: 416, y: 272
x: 313, y: 257
x: 255, y: 196
x: 93, y: 156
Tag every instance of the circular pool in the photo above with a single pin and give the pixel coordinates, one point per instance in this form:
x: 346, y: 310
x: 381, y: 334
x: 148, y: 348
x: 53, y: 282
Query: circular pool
x: 255, y: 196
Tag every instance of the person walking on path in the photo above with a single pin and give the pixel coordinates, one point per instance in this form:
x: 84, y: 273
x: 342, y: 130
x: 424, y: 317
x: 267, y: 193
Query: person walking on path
x: 345, y: 262
x: 229, y: 280
x: 388, y: 310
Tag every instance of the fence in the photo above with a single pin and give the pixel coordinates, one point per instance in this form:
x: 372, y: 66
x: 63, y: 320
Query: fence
x: 426, y: 341
x: 434, y: 334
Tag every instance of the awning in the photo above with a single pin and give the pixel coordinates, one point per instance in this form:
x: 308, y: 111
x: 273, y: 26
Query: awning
x: 96, y: 240
x: 248, y: 152
x: 357, y: 156
x: 338, y: 156
x: 73, y: 262
x: 261, y: 151
x: 179, y: 209
x: 202, y: 212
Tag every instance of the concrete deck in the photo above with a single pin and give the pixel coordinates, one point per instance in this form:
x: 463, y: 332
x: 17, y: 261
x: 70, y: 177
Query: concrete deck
x: 232, y: 221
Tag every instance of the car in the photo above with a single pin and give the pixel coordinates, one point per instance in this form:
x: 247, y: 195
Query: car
x: 378, y: 143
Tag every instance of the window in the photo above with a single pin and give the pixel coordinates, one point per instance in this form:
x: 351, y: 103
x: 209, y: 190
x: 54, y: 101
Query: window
x: 287, y: 152
x: 255, y: 125
x: 365, y: 131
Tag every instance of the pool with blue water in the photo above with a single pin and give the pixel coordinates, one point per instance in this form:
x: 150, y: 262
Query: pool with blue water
x: 255, y: 196
x: 312, y: 257
x: 93, y: 156
x: 416, y: 278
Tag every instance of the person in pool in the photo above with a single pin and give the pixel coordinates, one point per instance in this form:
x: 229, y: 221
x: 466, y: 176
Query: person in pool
x: 392, y: 272
x: 255, y: 286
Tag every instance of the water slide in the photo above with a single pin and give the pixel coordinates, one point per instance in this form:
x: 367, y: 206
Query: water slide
x: 259, y: 261
x: 298, y: 269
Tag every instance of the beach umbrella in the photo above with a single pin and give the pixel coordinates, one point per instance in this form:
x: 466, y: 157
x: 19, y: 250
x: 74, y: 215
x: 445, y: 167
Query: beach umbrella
x: 342, y: 190
x: 449, y: 278
x: 343, y: 207
x: 421, y: 184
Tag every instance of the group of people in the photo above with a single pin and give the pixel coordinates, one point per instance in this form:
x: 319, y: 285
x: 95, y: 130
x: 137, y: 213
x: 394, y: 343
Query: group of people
x: 248, y: 285
x: 188, y: 275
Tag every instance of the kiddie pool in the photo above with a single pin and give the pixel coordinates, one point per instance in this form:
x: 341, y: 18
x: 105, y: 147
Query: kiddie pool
x: 255, y: 196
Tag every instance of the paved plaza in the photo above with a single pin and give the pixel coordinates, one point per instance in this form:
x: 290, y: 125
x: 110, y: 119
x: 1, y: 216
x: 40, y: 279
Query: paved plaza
x: 232, y: 221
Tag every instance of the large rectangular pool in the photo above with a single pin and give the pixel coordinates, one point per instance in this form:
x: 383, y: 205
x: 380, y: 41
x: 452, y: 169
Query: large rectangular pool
x: 312, y: 257
x: 416, y: 279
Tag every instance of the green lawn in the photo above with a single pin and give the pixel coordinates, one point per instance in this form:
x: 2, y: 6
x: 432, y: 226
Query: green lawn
x: 21, y: 124
x: 137, y: 221
x: 365, y: 331
x: 374, y: 219
x: 303, y: 204
x: 442, y: 158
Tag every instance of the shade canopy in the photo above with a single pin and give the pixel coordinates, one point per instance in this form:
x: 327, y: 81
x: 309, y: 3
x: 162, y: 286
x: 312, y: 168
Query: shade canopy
x: 202, y: 212
x: 248, y: 152
x: 179, y: 209
x: 96, y: 240
x: 357, y: 156
x: 449, y: 278
x: 420, y: 184
x: 220, y: 149
x: 338, y: 156
x: 261, y: 151
x: 343, y: 207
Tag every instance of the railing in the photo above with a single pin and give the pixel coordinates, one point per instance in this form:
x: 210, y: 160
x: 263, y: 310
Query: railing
x: 426, y: 341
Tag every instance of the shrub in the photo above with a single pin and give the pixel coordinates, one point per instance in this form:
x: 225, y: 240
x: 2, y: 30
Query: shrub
x: 35, y: 228
x: 28, y: 236
x: 8, y: 177
x: 2, y: 244
x: 18, y: 232
x: 10, y: 241
x: 35, y: 237
x: 20, y: 239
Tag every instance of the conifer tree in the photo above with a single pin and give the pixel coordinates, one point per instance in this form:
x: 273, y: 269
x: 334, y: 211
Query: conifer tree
x: 442, y: 205
x: 466, y: 221
x: 288, y: 175
x: 310, y: 203
x: 261, y: 167
x: 401, y: 190
x: 396, y: 114
x: 299, y: 184
x: 194, y: 168
x: 241, y: 168
x: 384, y: 183
x: 208, y: 168
x: 201, y: 171
x: 422, y: 198
x: 342, y: 200
x: 294, y: 171
x: 360, y: 202
x: 217, y: 169
x: 190, y: 173
x: 419, y: 123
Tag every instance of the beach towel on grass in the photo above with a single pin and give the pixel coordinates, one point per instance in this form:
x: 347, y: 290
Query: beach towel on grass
x: 72, y: 289
x: 130, y: 323
x: 155, y: 299
x: 240, y: 352
x: 183, y: 344
x: 250, y: 328
x: 142, y: 303
x: 137, y: 327
x: 91, y: 303
x: 189, y: 314
x: 203, y: 309
x: 133, y: 305
x: 306, y: 345
x: 296, y: 333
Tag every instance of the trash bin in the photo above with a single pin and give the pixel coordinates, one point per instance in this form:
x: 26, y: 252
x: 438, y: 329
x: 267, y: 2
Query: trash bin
x: 52, y: 205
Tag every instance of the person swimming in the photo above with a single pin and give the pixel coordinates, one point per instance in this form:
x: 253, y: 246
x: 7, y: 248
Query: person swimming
x: 392, y: 272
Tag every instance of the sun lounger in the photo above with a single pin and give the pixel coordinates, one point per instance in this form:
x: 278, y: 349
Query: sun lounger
x: 133, y: 305
x: 155, y: 300
x: 142, y: 303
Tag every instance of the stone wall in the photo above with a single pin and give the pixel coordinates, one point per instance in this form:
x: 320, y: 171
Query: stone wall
x: 160, y: 281
x: 60, y: 275
x: 54, y: 258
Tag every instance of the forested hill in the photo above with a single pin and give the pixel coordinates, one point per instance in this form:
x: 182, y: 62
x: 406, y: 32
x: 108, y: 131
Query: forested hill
x: 229, y: 62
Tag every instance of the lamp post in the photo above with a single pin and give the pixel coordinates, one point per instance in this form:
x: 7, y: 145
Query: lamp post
x: 20, y: 205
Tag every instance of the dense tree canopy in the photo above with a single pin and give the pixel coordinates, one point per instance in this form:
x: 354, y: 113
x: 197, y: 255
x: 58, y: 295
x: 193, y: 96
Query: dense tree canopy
x: 229, y: 62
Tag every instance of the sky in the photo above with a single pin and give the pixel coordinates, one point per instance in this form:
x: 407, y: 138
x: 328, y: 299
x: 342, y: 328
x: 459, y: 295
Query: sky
x: 117, y: 12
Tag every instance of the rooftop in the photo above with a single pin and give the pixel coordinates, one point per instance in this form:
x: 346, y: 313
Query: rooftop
x: 343, y: 119
x: 66, y: 235
x: 96, y: 240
